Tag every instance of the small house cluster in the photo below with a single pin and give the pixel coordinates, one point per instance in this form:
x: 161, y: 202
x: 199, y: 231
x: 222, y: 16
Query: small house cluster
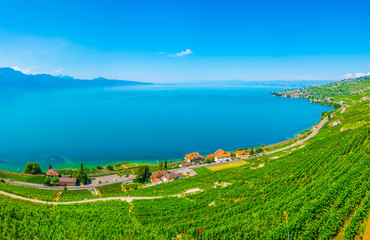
x: 64, y: 180
x: 164, y: 176
x: 218, y: 157
x: 358, y: 91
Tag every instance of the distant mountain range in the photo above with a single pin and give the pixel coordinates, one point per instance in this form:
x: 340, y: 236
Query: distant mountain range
x: 10, y: 78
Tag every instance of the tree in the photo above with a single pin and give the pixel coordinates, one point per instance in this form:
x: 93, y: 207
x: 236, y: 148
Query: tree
x: 47, y: 180
x: 208, y: 160
x: 160, y: 165
x: 99, y: 167
x: 110, y: 167
x: 55, y: 180
x: 50, y: 167
x: 80, y: 175
x: 165, y: 164
x: 252, y: 151
x: 142, y: 174
x: 32, y: 168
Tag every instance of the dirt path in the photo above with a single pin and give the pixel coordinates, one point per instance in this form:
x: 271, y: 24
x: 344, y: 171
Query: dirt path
x: 367, y: 231
x: 127, y: 199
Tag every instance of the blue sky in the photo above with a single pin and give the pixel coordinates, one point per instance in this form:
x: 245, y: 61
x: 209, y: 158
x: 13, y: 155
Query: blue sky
x: 174, y: 41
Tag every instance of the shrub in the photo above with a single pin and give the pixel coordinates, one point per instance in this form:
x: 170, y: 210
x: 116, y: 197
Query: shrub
x: 109, y: 167
x: 47, y: 180
x: 55, y: 180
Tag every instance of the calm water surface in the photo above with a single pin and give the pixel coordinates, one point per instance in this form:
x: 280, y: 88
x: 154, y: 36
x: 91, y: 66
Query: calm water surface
x: 142, y: 123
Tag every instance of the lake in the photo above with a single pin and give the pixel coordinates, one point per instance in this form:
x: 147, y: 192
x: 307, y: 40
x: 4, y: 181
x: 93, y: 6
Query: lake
x: 97, y: 126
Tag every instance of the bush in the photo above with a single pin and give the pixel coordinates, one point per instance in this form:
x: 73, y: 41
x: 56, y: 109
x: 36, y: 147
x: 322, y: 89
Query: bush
x: 47, y: 180
x: 109, y: 167
x: 55, y: 180
x: 99, y: 167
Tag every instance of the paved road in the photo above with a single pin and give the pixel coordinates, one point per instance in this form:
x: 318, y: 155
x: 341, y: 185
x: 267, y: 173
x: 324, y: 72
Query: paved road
x: 80, y: 187
x: 314, y: 132
x: 127, y: 199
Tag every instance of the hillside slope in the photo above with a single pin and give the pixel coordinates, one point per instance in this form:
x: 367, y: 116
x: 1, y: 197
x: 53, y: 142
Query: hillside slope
x: 323, y: 185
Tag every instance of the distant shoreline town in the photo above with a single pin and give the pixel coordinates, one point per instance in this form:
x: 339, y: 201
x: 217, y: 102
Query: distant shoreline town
x: 319, y: 94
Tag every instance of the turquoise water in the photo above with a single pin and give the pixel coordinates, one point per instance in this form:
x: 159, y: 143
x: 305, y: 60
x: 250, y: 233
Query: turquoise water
x: 143, y: 123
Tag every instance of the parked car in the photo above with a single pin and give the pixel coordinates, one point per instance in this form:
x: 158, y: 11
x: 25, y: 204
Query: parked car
x: 63, y: 185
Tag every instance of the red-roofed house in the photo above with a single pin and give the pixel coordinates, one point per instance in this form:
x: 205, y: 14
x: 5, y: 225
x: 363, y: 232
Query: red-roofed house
x: 194, y: 157
x: 219, y: 152
x: 52, y: 173
x: 226, y: 156
x: 155, y: 179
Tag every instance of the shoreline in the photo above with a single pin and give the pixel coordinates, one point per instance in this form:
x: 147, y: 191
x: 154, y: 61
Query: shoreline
x: 74, y: 164
x: 176, y: 160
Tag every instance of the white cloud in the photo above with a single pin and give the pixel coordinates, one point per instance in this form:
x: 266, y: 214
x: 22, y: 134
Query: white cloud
x: 182, y: 53
x: 348, y: 75
x: 16, y: 68
x: 58, y: 70
x: 160, y: 52
x: 362, y: 74
x: 26, y: 70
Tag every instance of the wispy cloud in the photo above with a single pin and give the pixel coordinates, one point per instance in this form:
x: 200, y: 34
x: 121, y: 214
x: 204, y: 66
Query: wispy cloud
x: 182, y: 53
x: 356, y: 75
x: 362, y: 74
x: 348, y: 75
x: 58, y: 70
x: 26, y: 70
x: 160, y: 52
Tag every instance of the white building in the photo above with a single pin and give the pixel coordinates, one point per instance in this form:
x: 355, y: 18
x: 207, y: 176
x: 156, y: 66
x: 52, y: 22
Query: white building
x: 335, y: 123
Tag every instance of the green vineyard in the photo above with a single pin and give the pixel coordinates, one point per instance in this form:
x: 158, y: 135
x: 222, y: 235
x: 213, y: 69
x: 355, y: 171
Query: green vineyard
x: 324, y: 187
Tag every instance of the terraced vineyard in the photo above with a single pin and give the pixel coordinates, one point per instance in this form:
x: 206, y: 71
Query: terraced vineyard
x: 324, y: 187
